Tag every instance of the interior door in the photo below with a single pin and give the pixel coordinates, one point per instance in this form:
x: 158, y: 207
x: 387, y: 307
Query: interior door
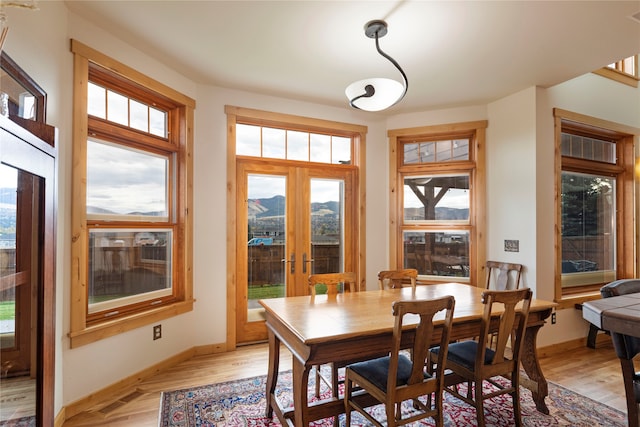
x: 293, y: 222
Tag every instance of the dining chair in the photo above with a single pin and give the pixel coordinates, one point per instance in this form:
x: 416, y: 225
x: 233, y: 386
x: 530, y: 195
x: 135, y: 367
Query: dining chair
x: 390, y: 279
x: 334, y: 283
x: 503, y: 275
x: 473, y: 362
x: 396, y: 378
x: 627, y: 348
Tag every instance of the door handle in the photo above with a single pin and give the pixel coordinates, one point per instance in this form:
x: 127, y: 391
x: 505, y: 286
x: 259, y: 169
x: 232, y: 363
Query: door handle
x: 293, y: 263
x: 305, y: 261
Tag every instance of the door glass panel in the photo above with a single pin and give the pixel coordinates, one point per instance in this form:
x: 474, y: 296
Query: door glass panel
x: 327, y: 225
x: 8, y: 196
x: 588, y: 229
x: 266, y: 248
x: 19, y: 282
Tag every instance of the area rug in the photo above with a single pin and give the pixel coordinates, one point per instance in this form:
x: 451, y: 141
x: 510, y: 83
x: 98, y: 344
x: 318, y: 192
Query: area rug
x: 241, y: 403
x: 19, y: 422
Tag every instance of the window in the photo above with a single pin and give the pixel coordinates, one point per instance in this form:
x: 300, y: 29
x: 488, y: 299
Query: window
x: 441, y: 175
x: 624, y: 71
x: 595, y: 204
x: 131, y: 198
x: 289, y: 144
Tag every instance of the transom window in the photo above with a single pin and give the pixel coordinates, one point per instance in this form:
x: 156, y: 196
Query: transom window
x: 118, y: 108
x: 288, y: 144
x: 436, y: 151
x: 588, y: 148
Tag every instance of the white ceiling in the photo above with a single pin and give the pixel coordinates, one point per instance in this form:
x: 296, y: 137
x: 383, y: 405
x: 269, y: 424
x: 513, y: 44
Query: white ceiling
x: 454, y: 53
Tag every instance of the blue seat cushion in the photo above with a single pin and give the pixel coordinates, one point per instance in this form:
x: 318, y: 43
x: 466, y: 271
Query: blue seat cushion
x: 377, y: 370
x: 464, y: 353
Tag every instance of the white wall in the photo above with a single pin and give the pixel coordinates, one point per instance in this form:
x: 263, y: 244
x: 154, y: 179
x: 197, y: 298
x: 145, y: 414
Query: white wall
x: 511, y: 181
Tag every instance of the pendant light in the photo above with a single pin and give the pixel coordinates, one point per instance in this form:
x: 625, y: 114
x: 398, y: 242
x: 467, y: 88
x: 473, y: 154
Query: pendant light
x: 377, y: 93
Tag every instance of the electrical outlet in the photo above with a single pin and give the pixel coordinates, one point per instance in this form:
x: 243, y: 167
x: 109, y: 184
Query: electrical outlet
x: 157, y: 332
x: 553, y: 318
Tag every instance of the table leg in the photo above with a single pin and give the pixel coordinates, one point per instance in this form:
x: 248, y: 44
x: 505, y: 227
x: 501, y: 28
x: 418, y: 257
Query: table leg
x: 272, y: 372
x: 628, y: 372
x: 536, y: 382
x: 300, y: 393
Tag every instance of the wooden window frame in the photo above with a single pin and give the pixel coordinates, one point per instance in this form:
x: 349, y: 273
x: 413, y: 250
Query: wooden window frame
x: 84, y: 329
x: 475, y: 167
x: 625, y: 138
x: 620, y: 75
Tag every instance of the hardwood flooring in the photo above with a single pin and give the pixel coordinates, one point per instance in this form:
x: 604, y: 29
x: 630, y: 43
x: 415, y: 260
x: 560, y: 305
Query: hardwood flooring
x: 594, y: 373
x: 17, y: 398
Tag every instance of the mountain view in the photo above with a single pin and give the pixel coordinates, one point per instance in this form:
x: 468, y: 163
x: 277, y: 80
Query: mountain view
x: 7, y: 217
x: 275, y: 206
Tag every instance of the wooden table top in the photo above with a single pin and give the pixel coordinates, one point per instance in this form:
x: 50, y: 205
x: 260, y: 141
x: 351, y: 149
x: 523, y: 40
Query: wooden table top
x: 619, y: 314
x: 369, y: 312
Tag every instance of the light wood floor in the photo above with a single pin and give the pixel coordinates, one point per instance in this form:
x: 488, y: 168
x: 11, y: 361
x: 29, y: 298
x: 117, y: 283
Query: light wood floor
x: 593, y: 373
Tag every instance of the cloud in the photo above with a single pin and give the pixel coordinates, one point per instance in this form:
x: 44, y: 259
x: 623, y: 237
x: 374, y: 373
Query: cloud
x: 125, y: 180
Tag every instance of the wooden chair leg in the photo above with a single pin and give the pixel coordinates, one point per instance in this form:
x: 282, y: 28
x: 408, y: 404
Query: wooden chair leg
x: 479, y: 398
x: 517, y: 414
x: 318, y: 379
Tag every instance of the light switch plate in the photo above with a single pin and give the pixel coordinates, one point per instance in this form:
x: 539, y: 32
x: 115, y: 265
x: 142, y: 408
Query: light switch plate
x: 512, y: 245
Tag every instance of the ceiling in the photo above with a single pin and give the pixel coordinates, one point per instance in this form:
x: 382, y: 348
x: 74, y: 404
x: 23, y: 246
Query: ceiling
x: 455, y: 53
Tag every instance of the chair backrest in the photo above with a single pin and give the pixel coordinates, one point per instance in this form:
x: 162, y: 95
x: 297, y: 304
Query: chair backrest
x: 335, y: 282
x: 423, y: 333
x: 627, y: 347
x: 503, y: 275
x: 511, y: 325
x: 397, y: 278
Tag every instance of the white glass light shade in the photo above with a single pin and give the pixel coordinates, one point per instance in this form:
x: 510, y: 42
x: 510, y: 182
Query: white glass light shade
x: 387, y: 93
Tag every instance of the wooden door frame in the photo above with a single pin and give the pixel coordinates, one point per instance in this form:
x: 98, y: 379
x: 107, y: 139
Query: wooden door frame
x: 358, y: 132
x: 23, y: 150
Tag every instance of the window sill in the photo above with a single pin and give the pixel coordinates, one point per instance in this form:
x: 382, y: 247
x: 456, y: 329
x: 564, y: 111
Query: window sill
x: 570, y: 301
x: 108, y: 329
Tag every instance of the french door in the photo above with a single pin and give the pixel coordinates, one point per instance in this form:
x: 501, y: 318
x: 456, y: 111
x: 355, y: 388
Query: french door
x: 293, y: 221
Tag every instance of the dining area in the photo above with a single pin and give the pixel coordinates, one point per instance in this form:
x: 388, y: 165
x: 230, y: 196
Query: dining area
x: 404, y: 342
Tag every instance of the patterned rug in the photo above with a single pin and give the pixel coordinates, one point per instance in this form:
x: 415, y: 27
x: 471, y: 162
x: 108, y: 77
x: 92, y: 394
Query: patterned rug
x: 241, y: 403
x: 19, y: 422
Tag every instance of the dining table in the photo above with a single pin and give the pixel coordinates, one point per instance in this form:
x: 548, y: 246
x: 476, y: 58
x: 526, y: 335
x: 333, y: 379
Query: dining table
x: 356, y: 326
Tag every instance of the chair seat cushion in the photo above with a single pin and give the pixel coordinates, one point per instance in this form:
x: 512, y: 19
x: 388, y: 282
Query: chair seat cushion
x: 377, y: 370
x: 464, y: 353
